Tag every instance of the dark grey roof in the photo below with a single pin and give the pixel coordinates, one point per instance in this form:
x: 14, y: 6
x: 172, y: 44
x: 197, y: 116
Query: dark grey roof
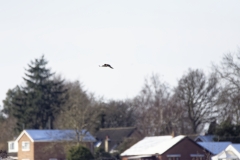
x: 116, y: 135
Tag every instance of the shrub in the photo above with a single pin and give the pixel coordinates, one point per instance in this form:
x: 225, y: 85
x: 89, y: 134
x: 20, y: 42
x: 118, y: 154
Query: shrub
x: 79, y: 153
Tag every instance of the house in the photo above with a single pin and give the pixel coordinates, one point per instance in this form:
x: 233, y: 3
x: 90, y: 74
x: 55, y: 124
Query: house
x: 204, y: 138
x: 232, y: 152
x: 166, y: 148
x: 48, y: 144
x: 12, y: 149
x: 214, y: 147
x: 111, y: 138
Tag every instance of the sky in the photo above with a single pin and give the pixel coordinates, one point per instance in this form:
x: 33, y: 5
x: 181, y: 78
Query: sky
x: 137, y: 37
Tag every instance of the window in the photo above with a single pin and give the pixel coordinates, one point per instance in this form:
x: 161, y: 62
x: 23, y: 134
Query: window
x: 25, y: 146
x: 12, y: 145
x: 197, y: 156
x: 173, y: 156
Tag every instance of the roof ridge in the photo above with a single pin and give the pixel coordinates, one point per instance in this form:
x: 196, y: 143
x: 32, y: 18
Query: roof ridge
x: 152, y: 146
x: 117, y: 128
x: 52, y: 130
x: 49, y: 135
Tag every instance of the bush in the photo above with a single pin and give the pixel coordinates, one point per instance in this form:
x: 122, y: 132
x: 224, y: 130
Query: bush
x: 79, y: 153
x: 101, y: 154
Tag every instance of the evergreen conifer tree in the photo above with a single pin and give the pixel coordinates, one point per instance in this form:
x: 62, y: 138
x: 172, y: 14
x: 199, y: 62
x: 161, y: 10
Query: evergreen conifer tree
x: 39, y: 100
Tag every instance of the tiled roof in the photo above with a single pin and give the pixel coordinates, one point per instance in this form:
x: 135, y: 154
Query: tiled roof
x: 116, y: 135
x: 153, y: 145
x: 206, y: 138
x: 214, y: 147
x: 58, y: 135
x: 236, y: 146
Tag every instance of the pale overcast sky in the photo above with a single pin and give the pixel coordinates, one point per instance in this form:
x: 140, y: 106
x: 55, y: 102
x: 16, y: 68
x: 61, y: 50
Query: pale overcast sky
x: 137, y: 37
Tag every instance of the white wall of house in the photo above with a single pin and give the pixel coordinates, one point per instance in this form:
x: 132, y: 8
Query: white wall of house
x: 12, y: 146
x: 229, y: 153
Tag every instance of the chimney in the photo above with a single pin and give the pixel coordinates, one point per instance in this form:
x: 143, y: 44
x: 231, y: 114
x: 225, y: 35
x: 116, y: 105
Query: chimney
x: 106, y: 143
x: 173, y: 134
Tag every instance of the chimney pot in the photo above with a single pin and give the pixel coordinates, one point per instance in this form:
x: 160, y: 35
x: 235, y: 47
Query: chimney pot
x: 106, y: 143
x: 173, y: 134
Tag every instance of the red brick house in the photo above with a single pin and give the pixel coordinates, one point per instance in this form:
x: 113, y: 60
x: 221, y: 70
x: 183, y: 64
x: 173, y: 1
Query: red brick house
x: 49, y: 144
x: 166, y: 148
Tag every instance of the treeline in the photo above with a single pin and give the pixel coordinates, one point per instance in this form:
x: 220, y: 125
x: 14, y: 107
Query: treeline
x: 46, y: 101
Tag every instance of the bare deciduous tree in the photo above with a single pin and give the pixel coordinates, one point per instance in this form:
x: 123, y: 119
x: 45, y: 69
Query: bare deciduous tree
x: 229, y: 99
x: 198, y: 94
x: 117, y: 114
x: 177, y: 117
x: 155, y: 113
x: 7, y: 125
x: 78, y: 112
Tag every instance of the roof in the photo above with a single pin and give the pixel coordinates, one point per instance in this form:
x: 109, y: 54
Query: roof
x: 153, y: 145
x: 236, y: 146
x: 116, y: 135
x: 214, y: 147
x: 225, y: 155
x: 231, y: 152
x: 56, y: 135
x: 206, y: 138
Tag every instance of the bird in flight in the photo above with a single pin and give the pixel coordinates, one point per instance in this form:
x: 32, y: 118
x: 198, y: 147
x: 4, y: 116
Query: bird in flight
x: 106, y: 65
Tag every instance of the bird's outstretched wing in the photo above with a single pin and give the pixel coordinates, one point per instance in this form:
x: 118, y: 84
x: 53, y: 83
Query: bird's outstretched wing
x: 106, y: 65
x: 110, y: 66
